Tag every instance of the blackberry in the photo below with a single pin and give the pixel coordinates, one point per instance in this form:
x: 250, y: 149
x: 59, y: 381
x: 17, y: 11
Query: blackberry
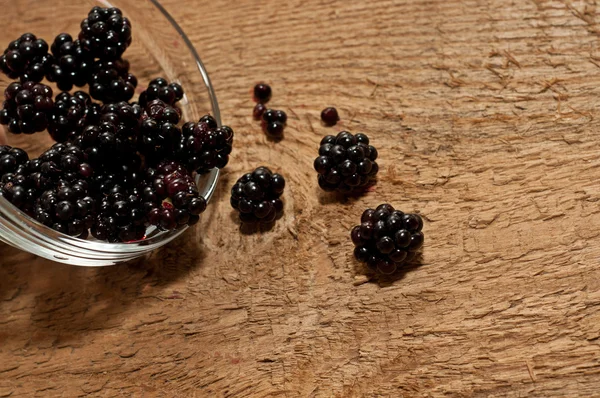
x: 387, y: 238
x: 62, y: 162
x: 159, y: 135
x: 14, y: 186
x: 330, y: 116
x: 205, y: 146
x: 120, y: 215
x: 27, y: 107
x: 11, y: 159
x: 160, y: 89
x: 110, y: 81
x: 274, y: 122
x: 257, y: 195
x: 105, y: 33
x: 70, y: 114
x: 26, y: 58
x: 346, y: 162
x: 173, y: 196
x: 67, y: 208
x: 262, y: 93
x: 258, y: 111
x: 112, y: 140
x: 73, y: 63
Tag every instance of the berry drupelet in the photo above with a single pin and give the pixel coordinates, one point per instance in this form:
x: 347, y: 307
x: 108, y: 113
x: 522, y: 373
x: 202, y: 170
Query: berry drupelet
x: 26, y: 58
x: 387, y: 238
x: 105, y: 33
x: 27, y: 107
x: 262, y: 93
x: 330, y: 116
x: 346, y: 162
x: 205, y: 146
x: 274, y: 122
x: 73, y: 63
x: 161, y: 89
x: 70, y: 114
x: 256, y: 196
x: 110, y: 81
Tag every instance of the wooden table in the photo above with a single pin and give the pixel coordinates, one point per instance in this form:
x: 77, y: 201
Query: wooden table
x: 485, y: 114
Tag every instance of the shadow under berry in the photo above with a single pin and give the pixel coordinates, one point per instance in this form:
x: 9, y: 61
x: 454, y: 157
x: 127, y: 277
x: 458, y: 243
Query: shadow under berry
x: 386, y: 280
x: 327, y: 198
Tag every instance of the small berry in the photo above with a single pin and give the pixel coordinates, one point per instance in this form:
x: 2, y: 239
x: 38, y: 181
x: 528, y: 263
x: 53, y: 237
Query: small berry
x: 274, y: 122
x: 256, y: 196
x: 258, y: 111
x: 387, y: 238
x: 330, y: 116
x: 262, y: 93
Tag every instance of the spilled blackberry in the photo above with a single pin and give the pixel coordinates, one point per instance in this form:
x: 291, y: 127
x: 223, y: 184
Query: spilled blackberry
x: 105, y: 33
x: 257, y: 195
x: 346, y: 162
x: 330, y: 116
x: 73, y: 63
x: 174, y: 196
x: 387, y: 238
x: 27, y: 107
x: 258, y: 111
x: 262, y: 93
x: 274, y: 122
x: 26, y: 58
x: 159, y: 135
x: 159, y: 88
x: 110, y: 81
x: 70, y: 114
x: 205, y: 146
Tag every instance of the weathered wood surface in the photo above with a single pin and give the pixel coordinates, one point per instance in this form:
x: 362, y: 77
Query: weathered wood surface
x: 485, y: 114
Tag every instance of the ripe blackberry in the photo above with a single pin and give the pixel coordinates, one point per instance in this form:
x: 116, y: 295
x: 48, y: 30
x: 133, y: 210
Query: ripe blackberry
x: 26, y: 58
x: 110, y: 81
x: 27, y: 107
x: 159, y: 135
x: 346, y: 162
x: 330, y: 116
x: 387, y: 238
x: 14, y: 186
x: 70, y: 114
x: 262, y: 93
x: 274, y: 122
x: 67, y: 208
x: 73, y: 63
x: 205, y: 146
x: 173, y: 197
x: 256, y: 196
x: 120, y: 215
x: 161, y: 89
x: 105, y: 33
x: 62, y: 162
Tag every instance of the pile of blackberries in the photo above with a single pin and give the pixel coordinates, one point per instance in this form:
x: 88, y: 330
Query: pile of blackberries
x: 387, y: 238
x: 118, y: 167
x: 346, y: 162
x: 257, y: 195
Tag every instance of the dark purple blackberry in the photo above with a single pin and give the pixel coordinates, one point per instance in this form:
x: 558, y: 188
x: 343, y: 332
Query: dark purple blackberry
x: 161, y: 89
x: 62, y: 162
x: 159, y: 135
x: 274, y: 122
x: 346, y: 162
x: 172, y: 197
x: 70, y: 114
x: 14, y: 166
x: 110, y: 81
x: 262, y: 93
x: 113, y: 139
x: 121, y: 217
x: 26, y: 58
x: 72, y: 63
x: 105, y: 33
x: 387, y: 238
x: 27, y: 107
x: 205, y: 146
x: 330, y: 116
x: 257, y: 195
x: 67, y: 208
x: 258, y: 111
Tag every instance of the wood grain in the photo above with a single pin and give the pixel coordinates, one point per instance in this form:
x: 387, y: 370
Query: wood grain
x: 486, y: 118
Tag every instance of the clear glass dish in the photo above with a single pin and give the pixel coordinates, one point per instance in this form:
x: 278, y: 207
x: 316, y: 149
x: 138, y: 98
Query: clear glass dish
x: 159, y: 48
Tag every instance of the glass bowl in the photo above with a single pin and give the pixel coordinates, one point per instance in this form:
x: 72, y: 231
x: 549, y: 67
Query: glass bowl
x: 159, y: 49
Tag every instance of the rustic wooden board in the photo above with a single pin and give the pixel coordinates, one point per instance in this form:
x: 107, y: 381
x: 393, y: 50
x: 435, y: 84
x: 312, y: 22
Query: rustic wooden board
x: 486, y: 118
